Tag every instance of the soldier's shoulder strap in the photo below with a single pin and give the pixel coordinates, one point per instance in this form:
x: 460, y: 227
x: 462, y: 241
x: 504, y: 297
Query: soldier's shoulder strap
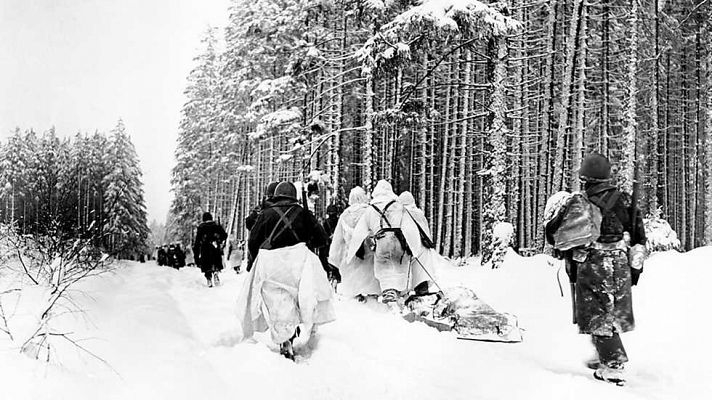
x: 284, y: 222
x: 383, y: 213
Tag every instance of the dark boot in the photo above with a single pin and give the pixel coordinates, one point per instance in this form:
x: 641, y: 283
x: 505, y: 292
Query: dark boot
x: 389, y: 296
x: 611, y: 374
x: 611, y: 359
x: 209, y: 278
x: 286, y: 349
x: 610, y: 350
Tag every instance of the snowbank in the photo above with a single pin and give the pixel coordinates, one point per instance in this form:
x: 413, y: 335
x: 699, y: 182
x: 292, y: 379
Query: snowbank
x: 169, y: 337
x: 660, y: 235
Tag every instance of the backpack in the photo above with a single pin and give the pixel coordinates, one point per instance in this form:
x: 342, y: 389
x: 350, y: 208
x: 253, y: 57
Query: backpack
x: 580, y: 225
x: 396, y: 231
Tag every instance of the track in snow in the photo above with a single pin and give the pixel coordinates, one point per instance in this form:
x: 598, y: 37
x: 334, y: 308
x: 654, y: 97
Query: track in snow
x: 170, y: 337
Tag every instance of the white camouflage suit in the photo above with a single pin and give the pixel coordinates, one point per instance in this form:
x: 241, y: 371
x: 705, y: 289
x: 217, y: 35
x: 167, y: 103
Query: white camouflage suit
x: 392, y: 267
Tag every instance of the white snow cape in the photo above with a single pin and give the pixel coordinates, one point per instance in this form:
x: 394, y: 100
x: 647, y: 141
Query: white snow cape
x: 357, y: 276
x: 285, y: 288
x: 390, y: 273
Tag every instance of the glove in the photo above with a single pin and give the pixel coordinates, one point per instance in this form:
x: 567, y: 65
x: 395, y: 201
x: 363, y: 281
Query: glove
x: 558, y: 254
x: 635, y: 275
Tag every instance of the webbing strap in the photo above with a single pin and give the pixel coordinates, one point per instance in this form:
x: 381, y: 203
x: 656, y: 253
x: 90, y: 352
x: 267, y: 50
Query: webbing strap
x: 287, y: 224
x: 383, y: 213
x: 607, y: 202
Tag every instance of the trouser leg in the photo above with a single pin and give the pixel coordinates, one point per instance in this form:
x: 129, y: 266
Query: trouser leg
x: 388, y: 268
x: 610, y: 350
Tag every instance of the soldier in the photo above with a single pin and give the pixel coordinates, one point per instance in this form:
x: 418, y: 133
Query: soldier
x: 328, y: 225
x: 252, y: 218
x: 393, y: 237
x: 162, y: 255
x: 255, y: 213
x: 286, y: 286
x: 358, y: 279
x: 179, y: 257
x: 207, y: 249
x: 171, y: 256
x: 601, y: 271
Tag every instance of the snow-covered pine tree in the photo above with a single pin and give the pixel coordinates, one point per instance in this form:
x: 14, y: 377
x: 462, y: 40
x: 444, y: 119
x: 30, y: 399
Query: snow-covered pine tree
x: 126, y: 228
x: 199, y: 141
x: 578, y: 137
x: 493, y: 251
x: 630, y: 123
x: 98, y: 169
x: 708, y: 138
x: 452, y: 28
x: 655, y: 192
x: 15, y: 168
x: 49, y: 158
x: 551, y: 10
x: 564, y: 109
x: 291, y: 77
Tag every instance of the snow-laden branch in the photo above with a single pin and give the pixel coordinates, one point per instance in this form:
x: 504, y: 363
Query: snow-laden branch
x: 276, y: 120
x: 436, y: 20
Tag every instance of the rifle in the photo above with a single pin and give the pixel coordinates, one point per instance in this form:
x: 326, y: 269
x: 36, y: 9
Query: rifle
x: 305, y: 198
x: 569, y: 266
x: 637, y: 252
x: 572, y: 286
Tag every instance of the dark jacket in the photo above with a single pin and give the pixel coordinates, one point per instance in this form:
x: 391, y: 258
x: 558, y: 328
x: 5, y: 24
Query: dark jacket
x: 617, y: 211
x: 255, y: 213
x: 180, y: 257
x: 603, y: 281
x: 171, y: 256
x: 207, y: 247
x: 304, y: 228
x: 328, y: 226
x: 161, y: 256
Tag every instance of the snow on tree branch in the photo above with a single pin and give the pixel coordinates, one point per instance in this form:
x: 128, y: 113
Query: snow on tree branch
x: 280, y: 119
x: 435, y: 19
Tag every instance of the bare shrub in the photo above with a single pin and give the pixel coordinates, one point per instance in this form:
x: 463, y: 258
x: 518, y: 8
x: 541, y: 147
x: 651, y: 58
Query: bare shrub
x: 39, y: 277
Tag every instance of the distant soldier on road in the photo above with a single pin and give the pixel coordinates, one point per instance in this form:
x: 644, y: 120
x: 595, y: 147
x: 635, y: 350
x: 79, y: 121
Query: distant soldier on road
x: 207, y: 249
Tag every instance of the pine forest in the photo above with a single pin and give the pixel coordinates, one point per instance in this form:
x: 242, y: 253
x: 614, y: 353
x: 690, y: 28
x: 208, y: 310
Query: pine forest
x: 88, y: 187
x: 481, y: 110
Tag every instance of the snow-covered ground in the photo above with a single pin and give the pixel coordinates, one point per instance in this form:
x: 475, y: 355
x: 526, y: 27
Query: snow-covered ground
x: 167, y: 336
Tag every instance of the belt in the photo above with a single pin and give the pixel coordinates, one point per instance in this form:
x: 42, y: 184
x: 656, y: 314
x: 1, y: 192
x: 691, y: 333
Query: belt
x: 619, y: 245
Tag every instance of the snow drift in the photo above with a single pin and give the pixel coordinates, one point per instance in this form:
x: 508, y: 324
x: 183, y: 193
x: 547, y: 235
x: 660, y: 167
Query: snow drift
x: 169, y: 337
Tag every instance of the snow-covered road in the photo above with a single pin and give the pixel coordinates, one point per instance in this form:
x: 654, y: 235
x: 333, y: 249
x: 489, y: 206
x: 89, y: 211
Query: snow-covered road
x: 167, y: 336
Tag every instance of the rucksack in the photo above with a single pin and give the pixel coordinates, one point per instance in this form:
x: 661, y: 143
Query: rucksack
x: 396, y: 231
x: 580, y: 225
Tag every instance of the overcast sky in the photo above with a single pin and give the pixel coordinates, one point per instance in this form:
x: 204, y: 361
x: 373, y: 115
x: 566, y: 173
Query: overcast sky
x: 80, y: 65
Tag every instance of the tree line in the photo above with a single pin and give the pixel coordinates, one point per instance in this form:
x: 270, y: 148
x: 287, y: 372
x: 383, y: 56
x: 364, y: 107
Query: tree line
x: 88, y: 186
x: 481, y: 110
